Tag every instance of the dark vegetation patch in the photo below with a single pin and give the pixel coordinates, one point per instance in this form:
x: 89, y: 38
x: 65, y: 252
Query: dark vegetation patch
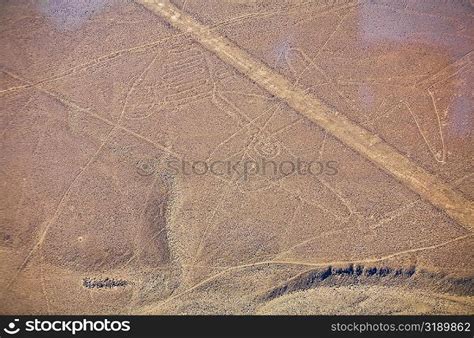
x: 372, y: 275
x: 107, y: 283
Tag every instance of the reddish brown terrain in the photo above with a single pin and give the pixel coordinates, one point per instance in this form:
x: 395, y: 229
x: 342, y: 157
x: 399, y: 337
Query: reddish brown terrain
x: 113, y: 114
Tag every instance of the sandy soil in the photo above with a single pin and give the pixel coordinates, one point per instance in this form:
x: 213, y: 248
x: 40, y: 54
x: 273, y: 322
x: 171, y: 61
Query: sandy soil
x: 102, y: 103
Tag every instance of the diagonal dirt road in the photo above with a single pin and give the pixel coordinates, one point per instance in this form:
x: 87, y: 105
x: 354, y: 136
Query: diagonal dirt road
x: 429, y: 187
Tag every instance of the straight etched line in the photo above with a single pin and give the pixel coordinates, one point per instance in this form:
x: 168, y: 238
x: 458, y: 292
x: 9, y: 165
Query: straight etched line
x: 153, y: 308
x: 371, y: 146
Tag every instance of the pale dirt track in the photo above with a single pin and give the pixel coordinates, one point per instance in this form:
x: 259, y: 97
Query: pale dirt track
x: 89, y: 123
x: 432, y: 189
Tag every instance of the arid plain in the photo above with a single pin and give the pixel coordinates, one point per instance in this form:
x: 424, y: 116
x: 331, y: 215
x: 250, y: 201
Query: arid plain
x: 114, y: 112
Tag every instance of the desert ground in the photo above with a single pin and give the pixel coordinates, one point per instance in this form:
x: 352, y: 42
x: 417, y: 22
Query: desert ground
x: 114, y: 115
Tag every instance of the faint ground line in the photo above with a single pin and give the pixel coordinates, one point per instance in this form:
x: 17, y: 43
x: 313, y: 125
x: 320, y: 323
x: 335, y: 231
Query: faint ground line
x: 312, y: 238
x: 351, y: 134
x: 43, y: 288
x: 450, y: 70
x: 461, y: 179
x: 88, y: 64
x: 136, y: 247
x: 375, y: 260
x: 151, y: 308
x: 330, y: 10
x: 223, y: 197
x: 121, y: 52
x: 58, y: 209
x: 71, y: 105
x: 49, y: 222
x: 440, y: 127
x: 339, y: 24
x: 430, y: 148
x: 136, y: 82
